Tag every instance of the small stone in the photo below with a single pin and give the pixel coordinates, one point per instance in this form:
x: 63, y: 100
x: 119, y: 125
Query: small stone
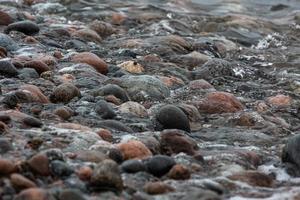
x: 253, y: 178
x: 71, y: 194
x: 134, y: 108
x: 84, y: 173
x: 33, y: 122
x: 107, y: 175
x: 179, y: 172
x: 159, y: 165
x: 5, y: 19
x: 60, y: 168
x: 132, y: 67
x: 134, y: 149
x: 133, y: 166
x: 113, y: 99
x: 63, y: 112
x: 111, y: 89
x: 39, y: 163
x: 87, y: 35
x: 158, y: 187
x: 64, y: 93
x: 20, y: 182
x: 5, y: 145
x: 175, y: 141
x: 102, y: 28
x: 6, y: 166
x: 291, y: 151
x: 93, y: 60
x: 8, y: 43
x: 172, y: 117
x: 30, y: 40
x: 280, y: 100
x: 34, y: 194
x: 26, y: 27
x: 39, y: 66
x: 105, y: 110
x: 7, y: 68
x: 105, y: 135
x: 220, y: 102
x: 36, y: 93
x: 200, y: 84
x: 172, y: 82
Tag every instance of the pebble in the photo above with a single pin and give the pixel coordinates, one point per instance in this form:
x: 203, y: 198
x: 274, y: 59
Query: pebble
x: 291, y: 150
x: 87, y: 35
x: 112, y: 89
x: 6, y: 166
x: 105, y: 110
x: 84, y: 173
x: 34, y: 194
x: 134, y: 149
x: 170, y: 140
x: 159, y: 165
x: 133, y: 166
x: 132, y: 67
x: 32, y: 122
x: 39, y: 66
x: 64, y: 93
x: 5, y: 18
x: 63, y: 112
x: 7, y: 69
x: 134, y: 108
x: 5, y: 145
x: 93, y: 60
x: 71, y: 194
x: 26, y: 27
x: 102, y: 28
x: 115, y: 125
x: 158, y: 187
x: 219, y: 102
x: 253, y: 178
x: 172, y: 117
x: 280, y: 100
x: 200, y: 84
x: 60, y: 168
x: 105, y: 135
x: 36, y: 93
x: 179, y: 172
x: 20, y: 182
x: 8, y: 43
x: 39, y: 164
x: 106, y: 175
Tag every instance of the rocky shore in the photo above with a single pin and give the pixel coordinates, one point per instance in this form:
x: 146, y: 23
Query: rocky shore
x: 142, y: 100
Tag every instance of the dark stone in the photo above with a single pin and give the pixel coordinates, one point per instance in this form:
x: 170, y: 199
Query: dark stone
x: 33, y: 122
x: 26, y: 27
x: 60, y: 168
x: 105, y: 110
x: 159, y: 165
x: 5, y: 145
x: 8, y: 43
x: 291, y: 151
x: 71, y: 194
x: 115, y: 90
x: 133, y: 166
x: 172, y: 117
x: 7, y: 69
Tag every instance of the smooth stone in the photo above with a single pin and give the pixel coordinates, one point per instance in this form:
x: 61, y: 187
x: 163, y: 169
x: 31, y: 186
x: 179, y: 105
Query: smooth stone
x: 133, y: 166
x: 6, y: 166
x: 39, y: 164
x: 102, y: 28
x: 64, y: 93
x: 28, y: 73
x: 105, y: 110
x: 172, y: 117
x: 33, y: 122
x: 71, y: 194
x: 7, y: 68
x: 20, y: 182
x: 106, y: 175
x: 158, y: 187
x: 112, y: 89
x: 60, y: 168
x: 26, y: 27
x: 134, y: 108
x: 39, y: 66
x: 34, y: 194
x: 291, y: 150
x: 5, y: 19
x: 134, y: 149
x: 115, y: 125
x: 159, y: 165
x: 93, y: 60
x: 179, y: 172
x: 5, y: 145
x: 87, y: 35
x: 8, y: 43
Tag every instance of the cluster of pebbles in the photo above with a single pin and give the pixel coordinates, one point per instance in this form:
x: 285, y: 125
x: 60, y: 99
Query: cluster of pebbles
x: 149, y: 100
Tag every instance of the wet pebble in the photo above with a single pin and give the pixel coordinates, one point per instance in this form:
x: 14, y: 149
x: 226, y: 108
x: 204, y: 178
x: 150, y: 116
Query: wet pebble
x: 71, y: 194
x: 8, y: 43
x: 172, y: 117
x: 112, y: 89
x: 291, y: 150
x: 179, y: 172
x: 32, y: 122
x: 34, y: 193
x: 6, y: 166
x: 254, y: 178
x: 133, y: 166
x: 26, y: 27
x: 39, y: 164
x: 63, y: 112
x: 5, y: 145
x: 7, y: 68
x: 102, y: 28
x: 155, y: 188
x: 134, y: 108
x: 20, y: 182
x: 5, y: 18
x: 134, y: 149
x: 87, y: 35
x: 64, y: 93
x: 159, y: 165
x: 39, y: 66
x: 60, y: 168
x: 93, y: 60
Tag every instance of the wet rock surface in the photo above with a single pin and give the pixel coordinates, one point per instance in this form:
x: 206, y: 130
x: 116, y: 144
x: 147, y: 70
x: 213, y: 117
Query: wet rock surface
x: 149, y: 99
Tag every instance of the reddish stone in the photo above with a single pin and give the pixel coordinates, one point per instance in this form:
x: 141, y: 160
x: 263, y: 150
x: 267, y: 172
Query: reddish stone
x: 200, y: 84
x: 171, y: 81
x: 220, y: 102
x: 64, y: 93
x: 84, y: 173
x: 58, y: 54
x: 179, y: 172
x: 253, y: 178
x: 87, y: 35
x: 34, y: 194
x: 105, y: 135
x: 39, y: 66
x: 174, y: 141
x: 5, y: 19
x: 7, y: 166
x: 113, y: 99
x: 134, y: 149
x: 102, y: 28
x: 30, y: 40
x: 36, y: 93
x: 157, y: 188
x: 20, y: 182
x: 118, y: 18
x: 93, y: 60
x: 280, y: 100
x: 39, y: 163
x: 63, y: 112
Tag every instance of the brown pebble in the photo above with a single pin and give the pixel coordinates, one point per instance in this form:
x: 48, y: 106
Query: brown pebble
x: 58, y: 54
x: 39, y: 66
x: 113, y: 99
x: 87, y: 35
x: 20, y: 182
x: 102, y: 28
x: 280, y: 100
x: 84, y: 173
x: 134, y: 149
x: 6, y: 166
x: 39, y: 163
x: 253, y: 178
x: 64, y: 93
x: 118, y: 18
x: 3, y: 52
x: 34, y: 194
x: 93, y: 60
x: 30, y: 40
x: 5, y: 19
x: 63, y: 112
x: 200, y: 84
x: 105, y: 135
x: 3, y: 128
x: 157, y: 188
x: 179, y: 172
x: 36, y: 93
